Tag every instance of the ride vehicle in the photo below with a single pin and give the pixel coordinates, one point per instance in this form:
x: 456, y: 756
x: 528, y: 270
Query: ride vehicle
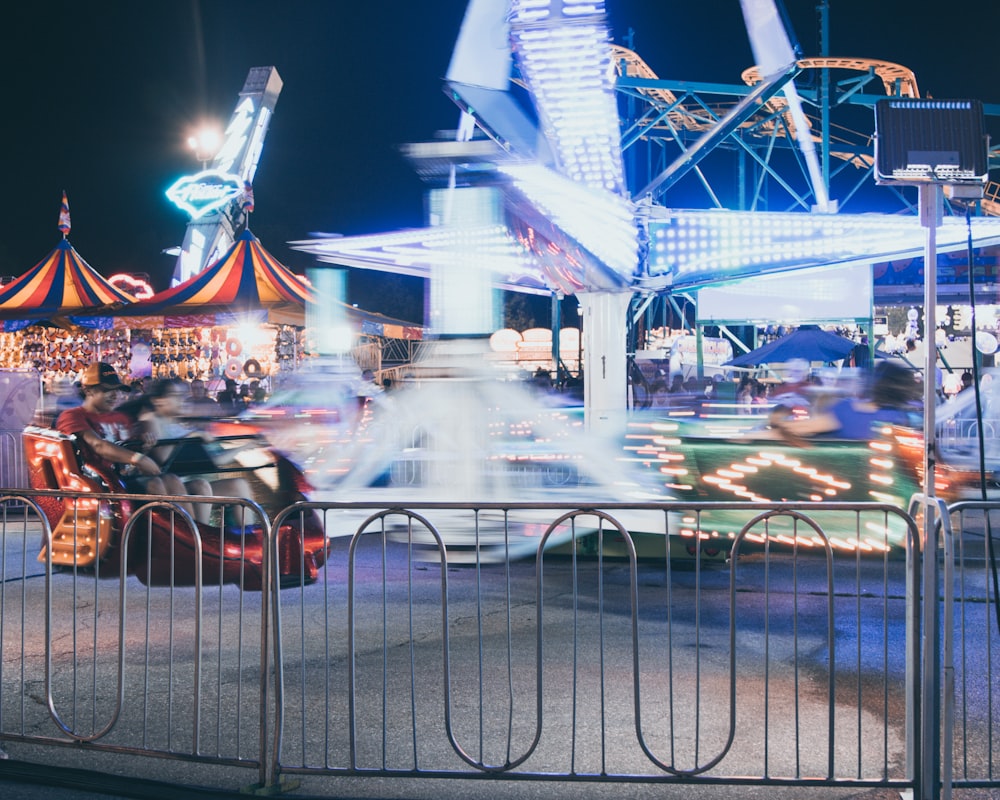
x: 967, y: 443
x: 710, y: 461
x: 319, y: 416
x: 88, y: 533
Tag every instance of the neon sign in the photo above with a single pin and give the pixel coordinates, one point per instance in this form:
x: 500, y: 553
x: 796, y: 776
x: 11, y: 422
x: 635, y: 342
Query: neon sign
x: 205, y: 192
x: 137, y: 287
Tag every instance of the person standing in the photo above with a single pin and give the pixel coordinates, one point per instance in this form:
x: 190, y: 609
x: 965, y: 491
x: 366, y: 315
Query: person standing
x: 199, y: 403
x: 229, y: 399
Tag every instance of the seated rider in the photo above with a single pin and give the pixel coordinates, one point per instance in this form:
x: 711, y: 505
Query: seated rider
x: 890, y: 401
x: 99, y: 428
x: 160, y: 419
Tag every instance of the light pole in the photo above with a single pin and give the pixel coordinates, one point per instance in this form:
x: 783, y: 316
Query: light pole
x: 205, y: 143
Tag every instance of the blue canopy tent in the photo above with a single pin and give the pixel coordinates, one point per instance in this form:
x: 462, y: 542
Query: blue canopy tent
x: 809, y: 343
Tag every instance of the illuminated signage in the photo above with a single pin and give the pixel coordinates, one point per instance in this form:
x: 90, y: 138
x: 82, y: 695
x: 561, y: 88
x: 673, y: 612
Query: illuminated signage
x: 135, y: 286
x: 205, y: 192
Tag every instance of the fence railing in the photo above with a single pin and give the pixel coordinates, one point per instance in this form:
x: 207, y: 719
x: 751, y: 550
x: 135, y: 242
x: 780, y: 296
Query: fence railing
x: 13, y: 469
x: 971, y: 713
x: 108, y: 666
x: 525, y: 641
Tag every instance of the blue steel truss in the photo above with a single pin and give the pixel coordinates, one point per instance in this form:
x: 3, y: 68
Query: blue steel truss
x: 676, y: 152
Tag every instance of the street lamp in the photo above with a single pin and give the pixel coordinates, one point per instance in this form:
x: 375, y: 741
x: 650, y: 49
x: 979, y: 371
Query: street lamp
x: 205, y: 144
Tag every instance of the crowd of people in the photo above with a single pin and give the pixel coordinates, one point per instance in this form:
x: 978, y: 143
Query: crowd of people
x: 229, y: 400
x: 150, y: 413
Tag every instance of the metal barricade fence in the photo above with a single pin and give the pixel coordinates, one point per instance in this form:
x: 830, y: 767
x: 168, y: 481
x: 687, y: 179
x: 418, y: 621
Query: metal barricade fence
x: 537, y: 641
x: 959, y: 438
x: 97, y: 662
x: 13, y: 471
x: 972, y: 707
x: 603, y: 643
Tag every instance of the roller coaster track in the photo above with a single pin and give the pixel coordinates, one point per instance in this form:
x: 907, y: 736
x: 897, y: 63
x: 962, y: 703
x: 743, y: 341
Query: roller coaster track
x: 897, y: 80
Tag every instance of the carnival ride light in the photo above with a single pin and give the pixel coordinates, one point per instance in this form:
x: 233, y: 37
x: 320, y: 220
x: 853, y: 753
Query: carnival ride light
x: 496, y: 251
x: 688, y: 244
x: 239, y: 131
x: 599, y: 220
x: 564, y: 55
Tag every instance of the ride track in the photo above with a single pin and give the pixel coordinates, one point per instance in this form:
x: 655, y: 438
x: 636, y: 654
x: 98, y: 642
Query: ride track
x: 676, y: 108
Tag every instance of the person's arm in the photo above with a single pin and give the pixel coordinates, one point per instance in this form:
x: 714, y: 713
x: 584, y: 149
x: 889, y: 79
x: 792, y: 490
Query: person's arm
x: 797, y: 430
x: 148, y: 429
x: 117, y: 454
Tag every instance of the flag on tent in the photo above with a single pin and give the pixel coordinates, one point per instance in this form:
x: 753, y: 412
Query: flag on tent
x: 64, y: 223
x: 247, y: 197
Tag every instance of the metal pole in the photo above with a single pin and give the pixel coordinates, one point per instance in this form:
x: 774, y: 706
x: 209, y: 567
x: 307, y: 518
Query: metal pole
x: 556, y: 328
x: 930, y: 750
x: 824, y: 88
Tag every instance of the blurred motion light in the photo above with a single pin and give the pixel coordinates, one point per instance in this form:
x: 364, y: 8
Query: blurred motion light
x: 563, y: 51
x: 599, y: 220
x: 695, y: 246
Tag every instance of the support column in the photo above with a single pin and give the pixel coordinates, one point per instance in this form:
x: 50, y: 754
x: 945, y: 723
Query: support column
x: 605, y: 379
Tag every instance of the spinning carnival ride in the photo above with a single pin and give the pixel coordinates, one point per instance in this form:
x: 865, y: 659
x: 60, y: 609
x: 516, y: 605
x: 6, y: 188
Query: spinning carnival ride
x: 561, y: 173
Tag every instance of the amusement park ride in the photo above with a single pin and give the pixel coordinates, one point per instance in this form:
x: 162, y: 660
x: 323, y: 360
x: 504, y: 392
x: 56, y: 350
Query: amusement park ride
x: 574, y: 169
x: 217, y: 197
x: 562, y: 180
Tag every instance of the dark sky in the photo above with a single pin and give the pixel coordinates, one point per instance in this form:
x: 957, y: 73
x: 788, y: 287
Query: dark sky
x: 100, y: 97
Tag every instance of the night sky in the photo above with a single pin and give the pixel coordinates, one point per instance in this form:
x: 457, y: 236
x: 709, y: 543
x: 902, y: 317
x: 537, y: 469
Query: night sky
x: 101, y: 96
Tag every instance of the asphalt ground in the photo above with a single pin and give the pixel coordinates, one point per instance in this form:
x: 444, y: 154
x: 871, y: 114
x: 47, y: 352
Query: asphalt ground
x: 19, y: 779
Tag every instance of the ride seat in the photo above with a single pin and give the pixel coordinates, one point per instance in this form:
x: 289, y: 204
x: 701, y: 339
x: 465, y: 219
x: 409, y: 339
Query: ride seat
x: 81, y: 527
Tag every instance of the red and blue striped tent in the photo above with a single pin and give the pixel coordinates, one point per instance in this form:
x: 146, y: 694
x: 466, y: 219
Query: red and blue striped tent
x: 245, y: 278
x: 60, y: 285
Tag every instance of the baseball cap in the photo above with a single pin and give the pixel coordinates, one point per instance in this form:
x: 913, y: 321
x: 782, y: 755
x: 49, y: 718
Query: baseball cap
x: 100, y: 374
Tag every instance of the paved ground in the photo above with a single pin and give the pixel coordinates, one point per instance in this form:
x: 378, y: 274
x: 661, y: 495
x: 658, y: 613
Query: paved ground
x: 19, y: 780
